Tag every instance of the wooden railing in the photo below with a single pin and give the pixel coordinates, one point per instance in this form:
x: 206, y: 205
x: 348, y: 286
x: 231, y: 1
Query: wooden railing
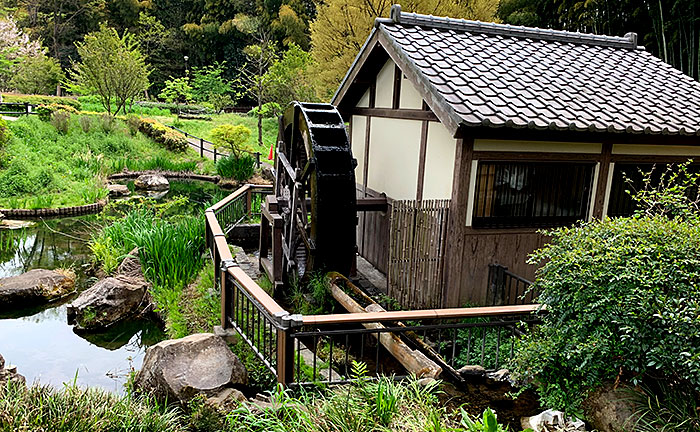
x: 301, y: 349
x: 507, y: 288
x: 204, y: 145
x: 16, y: 108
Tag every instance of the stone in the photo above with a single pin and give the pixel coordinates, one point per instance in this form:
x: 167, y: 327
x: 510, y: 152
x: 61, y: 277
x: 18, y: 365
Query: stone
x: 179, y: 369
x: 15, y: 224
x: 229, y: 336
x: 267, y: 172
x: 227, y: 400
x: 552, y: 420
x: 35, y: 287
x: 471, y: 371
x: 610, y: 409
x: 118, y: 190
x: 501, y: 375
x: 10, y: 374
x: 151, y: 182
x: 112, y: 299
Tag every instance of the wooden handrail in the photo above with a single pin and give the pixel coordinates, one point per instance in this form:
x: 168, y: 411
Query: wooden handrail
x: 471, y: 312
x: 256, y: 291
x: 238, y: 192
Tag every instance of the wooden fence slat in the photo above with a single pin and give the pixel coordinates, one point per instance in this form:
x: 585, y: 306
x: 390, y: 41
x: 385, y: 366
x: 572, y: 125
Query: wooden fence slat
x: 416, y: 252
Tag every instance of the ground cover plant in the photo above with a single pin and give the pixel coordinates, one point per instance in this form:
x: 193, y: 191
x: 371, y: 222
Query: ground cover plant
x: 41, y: 166
x: 623, y: 300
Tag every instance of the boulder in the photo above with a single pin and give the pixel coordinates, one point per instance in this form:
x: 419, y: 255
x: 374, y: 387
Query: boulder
x: 9, y: 374
x: 36, y: 286
x: 267, y: 172
x: 118, y: 190
x: 151, y: 182
x: 552, y: 420
x: 472, y: 371
x: 610, y: 409
x: 112, y: 299
x: 179, y: 369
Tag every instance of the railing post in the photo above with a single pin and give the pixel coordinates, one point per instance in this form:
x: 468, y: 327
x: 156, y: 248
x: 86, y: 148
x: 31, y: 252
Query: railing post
x: 257, y: 159
x: 285, y: 348
x: 215, y: 154
x: 201, y: 147
x: 249, y: 202
x: 226, y: 296
x: 497, y: 274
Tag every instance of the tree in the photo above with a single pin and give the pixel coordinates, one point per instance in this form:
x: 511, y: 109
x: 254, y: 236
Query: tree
x: 111, y: 67
x: 342, y: 26
x: 177, y: 90
x: 290, y: 77
x: 15, y: 45
x: 232, y: 138
x: 208, y: 81
x: 37, y: 75
x: 260, y: 55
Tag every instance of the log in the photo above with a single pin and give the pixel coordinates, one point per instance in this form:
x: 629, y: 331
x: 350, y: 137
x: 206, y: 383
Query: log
x: 414, y: 361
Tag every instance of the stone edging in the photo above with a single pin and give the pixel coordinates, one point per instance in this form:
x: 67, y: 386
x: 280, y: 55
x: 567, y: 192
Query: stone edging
x: 166, y: 174
x: 53, y: 212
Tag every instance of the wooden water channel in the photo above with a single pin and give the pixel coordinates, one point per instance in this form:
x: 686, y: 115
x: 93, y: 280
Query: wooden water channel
x: 302, y: 349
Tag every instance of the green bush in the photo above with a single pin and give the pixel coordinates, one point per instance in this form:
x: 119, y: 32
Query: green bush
x: 173, y: 108
x: 4, y: 133
x: 170, y: 138
x: 85, y: 122
x: 45, y: 111
x: 61, y: 121
x: 623, y: 302
x: 241, y: 168
x: 41, y: 100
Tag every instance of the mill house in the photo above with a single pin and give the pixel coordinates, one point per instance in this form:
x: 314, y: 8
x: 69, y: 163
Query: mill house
x: 480, y: 135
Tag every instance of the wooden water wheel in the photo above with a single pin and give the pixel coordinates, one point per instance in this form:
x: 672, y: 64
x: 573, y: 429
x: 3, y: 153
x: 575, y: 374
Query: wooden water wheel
x: 315, y: 191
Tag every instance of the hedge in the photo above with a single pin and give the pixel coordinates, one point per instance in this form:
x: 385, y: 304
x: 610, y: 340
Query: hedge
x: 171, y: 139
x: 40, y: 100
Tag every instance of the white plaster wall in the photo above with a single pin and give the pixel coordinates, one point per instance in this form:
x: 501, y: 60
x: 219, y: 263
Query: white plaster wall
x: 409, y: 98
x: 385, y: 86
x: 364, y: 101
x: 393, y: 157
x: 357, y: 140
x: 439, y: 162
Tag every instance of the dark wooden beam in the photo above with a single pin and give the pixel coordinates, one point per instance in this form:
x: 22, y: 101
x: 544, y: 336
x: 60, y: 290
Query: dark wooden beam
x: 602, y: 181
x: 406, y: 114
x: 396, y: 100
x: 421, y: 160
x: 372, y: 204
x: 534, y: 156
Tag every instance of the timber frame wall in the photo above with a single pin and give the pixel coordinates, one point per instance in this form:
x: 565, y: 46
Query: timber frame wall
x: 469, y: 250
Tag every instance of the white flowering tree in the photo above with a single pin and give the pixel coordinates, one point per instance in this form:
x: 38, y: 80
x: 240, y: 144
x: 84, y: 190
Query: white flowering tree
x: 15, y: 45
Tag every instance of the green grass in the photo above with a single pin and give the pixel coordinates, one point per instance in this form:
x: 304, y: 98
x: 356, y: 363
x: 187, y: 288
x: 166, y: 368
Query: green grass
x: 41, y: 167
x: 93, y: 104
x: 203, y: 128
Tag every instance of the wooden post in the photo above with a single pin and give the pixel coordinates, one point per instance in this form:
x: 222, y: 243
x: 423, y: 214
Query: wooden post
x: 214, y: 154
x: 249, y: 202
x: 201, y: 147
x: 285, y: 352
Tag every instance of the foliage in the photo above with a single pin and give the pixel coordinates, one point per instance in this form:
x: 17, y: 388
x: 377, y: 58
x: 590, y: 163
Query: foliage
x: 171, y: 107
x: 663, y: 407
x: 170, y: 249
x: 92, y: 103
x: 111, y: 67
x: 46, y: 111
x: 5, y: 133
x: 61, y: 120
x: 42, y: 100
x: 156, y: 163
x: 177, y: 90
x: 219, y: 102
x: 667, y: 28
x: 623, y: 303
x: 232, y: 138
x: 208, y: 81
x: 312, y: 297
x: 238, y: 168
x: 39, y: 162
x: 15, y: 48
x: 171, y: 139
x: 37, y: 75
x: 342, y: 26
x: 268, y: 110
x: 85, y: 122
x: 81, y: 409
x: 674, y: 194
x: 290, y: 77
x: 487, y: 424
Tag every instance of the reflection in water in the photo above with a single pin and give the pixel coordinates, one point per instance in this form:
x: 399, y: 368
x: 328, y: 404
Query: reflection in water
x: 46, y: 349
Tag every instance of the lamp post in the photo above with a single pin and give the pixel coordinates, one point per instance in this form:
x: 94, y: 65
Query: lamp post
x: 187, y: 70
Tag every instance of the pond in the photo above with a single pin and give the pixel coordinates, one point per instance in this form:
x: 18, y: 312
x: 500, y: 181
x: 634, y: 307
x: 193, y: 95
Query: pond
x: 39, y: 341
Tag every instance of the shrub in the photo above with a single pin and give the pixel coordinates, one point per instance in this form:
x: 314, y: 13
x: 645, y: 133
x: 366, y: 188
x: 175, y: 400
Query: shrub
x: 623, y: 300
x: 41, y: 100
x: 85, y: 122
x: 173, y: 108
x: 270, y: 109
x: 4, y: 133
x: 107, y: 122
x: 232, y: 138
x: 45, y: 111
x: 171, y: 139
x: 239, y: 168
x: 61, y: 121
x: 133, y: 122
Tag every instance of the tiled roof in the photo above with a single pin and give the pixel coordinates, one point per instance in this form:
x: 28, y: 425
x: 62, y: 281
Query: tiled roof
x: 503, y: 76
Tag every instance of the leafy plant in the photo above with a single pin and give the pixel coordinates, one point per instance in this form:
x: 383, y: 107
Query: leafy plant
x: 61, y: 121
x: 85, y: 122
x: 177, y: 90
x: 239, y: 168
x: 232, y: 138
x: 45, y: 111
x: 5, y: 133
x: 662, y: 407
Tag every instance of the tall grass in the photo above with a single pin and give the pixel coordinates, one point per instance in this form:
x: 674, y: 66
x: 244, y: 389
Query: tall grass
x: 41, y: 408
x: 171, y: 253
x: 156, y: 163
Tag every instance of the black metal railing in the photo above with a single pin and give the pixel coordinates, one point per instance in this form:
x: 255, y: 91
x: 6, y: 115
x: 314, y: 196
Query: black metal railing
x: 507, y: 288
x: 207, y: 147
